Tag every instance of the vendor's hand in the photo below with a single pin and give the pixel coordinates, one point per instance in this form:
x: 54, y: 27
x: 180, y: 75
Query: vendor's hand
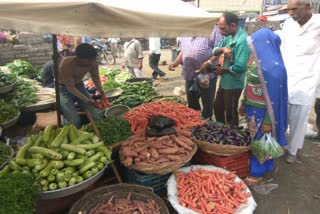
x: 103, y: 96
x: 172, y: 66
x: 203, y: 67
x: 218, y: 70
x: 227, y: 53
x: 266, y: 128
x: 241, y: 110
x: 93, y: 103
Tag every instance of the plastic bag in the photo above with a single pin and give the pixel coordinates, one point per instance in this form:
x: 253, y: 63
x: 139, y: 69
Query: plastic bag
x: 195, y: 88
x: 160, y: 122
x: 266, y: 148
x: 203, y: 80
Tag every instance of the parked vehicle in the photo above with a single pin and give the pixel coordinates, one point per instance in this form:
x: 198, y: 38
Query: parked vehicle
x: 105, y: 55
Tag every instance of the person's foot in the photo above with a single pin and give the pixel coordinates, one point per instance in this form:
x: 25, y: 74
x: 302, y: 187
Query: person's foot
x: 291, y: 159
x: 163, y: 76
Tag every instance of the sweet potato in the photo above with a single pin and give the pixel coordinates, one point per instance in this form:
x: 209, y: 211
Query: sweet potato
x: 137, y: 160
x: 128, y: 161
x: 141, y: 148
x: 129, y: 153
x: 182, y: 144
x: 154, y: 153
x: 163, y: 138
x: 186, y: 140
x: 174, y: 157
x: 184, y: 132
x: 169, y: 151
x: 145, y: 154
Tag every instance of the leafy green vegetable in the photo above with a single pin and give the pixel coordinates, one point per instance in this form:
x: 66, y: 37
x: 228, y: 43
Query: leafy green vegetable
x: 168, y: 98
x: 7, y: 111
x: 24, y: 69
x: 110, y: 73
x: 112, y: 129
x: 122, y: 77
x: 5, y: 153
x: 6, y: 79
x: 23, y: 95
x: 110, y: 84
x: 17, y: 193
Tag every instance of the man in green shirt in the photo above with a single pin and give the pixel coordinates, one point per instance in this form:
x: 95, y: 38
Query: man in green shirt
x: 235, y: 52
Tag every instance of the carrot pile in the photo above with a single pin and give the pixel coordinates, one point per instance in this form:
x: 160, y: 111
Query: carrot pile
x: 184, y: 116
x: 126, y: 206
x: 103, y: 104
x: 152, y: 151
x: 90, y: 83
x: 210, y: 192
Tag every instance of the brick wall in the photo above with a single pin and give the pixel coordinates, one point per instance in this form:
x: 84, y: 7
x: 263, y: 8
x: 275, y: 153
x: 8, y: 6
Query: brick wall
x: 32, y: 48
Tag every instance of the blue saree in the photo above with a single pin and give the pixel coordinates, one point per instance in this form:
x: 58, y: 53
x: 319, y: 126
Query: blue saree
x: 265, y: 48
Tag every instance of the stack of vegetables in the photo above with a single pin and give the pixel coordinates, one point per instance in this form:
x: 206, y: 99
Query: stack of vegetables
x: 23, y: 95
x: 126, y: 205
x: 116, y: 78
x: 210, y: 191
x: 185, y: 117
x: 5, y: 153
x: 222, y: 134
x: 168, y: 98
x: 153, y: 151
x: 24, y: 69
x: 7, y: 111
x: 18, y: 193
x: 6, y: 79
x: 135, y: 94
x: 60, y: 157
x: 112, y: 129
x: 95, y: 95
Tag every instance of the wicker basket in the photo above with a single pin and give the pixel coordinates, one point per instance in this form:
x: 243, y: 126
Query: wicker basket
x: 164, y: 168
x: 103, y: 194
x: 219, y: 149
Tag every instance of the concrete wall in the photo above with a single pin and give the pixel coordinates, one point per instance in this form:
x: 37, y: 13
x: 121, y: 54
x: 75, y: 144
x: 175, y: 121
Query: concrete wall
x: 32, y: 48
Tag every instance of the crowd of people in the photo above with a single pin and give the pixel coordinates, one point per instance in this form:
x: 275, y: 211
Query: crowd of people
x: 277, y: 74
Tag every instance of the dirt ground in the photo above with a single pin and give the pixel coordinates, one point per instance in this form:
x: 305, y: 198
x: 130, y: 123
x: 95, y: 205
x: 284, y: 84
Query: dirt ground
x: 299, y: 184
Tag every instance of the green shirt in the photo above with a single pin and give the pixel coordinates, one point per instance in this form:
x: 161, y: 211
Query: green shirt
x: 240, y: 56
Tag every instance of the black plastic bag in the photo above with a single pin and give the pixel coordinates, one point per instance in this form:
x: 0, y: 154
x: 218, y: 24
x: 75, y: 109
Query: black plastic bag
x: 153, y: 132
x: 160, y: 122
x: 195, y: 88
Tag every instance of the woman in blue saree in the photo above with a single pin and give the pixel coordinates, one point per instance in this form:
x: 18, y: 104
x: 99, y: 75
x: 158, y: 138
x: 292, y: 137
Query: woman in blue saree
x: 266, y: 94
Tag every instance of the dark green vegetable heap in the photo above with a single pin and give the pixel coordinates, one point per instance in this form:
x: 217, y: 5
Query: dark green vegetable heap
x: 17, y: 193
x: 24, y: 69
x: 135, y: 94
x: 112, y: 129
x: 5, y: 153
x: 7, y: 111
x: 59, y: 157
x: 6, y: 79
x: 222, y: 134
x: 23, y: 95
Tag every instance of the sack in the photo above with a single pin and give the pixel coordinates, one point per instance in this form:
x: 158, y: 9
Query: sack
x: 266, y: 148
x: 195, y: 88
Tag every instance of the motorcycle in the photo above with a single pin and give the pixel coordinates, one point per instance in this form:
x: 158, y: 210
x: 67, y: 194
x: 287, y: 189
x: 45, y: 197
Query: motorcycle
x: 105, y: 55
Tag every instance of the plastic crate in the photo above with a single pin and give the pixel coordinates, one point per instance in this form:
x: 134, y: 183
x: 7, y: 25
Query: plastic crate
x: 157, y: 182
x: 239, y: 164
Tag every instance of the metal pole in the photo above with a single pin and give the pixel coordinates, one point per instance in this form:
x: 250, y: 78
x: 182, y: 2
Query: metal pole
x: 198, y: 3
x: 56, y: 77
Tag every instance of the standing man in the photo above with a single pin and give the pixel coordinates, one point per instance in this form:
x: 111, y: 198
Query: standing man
x: 236, y: 54
x: 301, y: 54
x: 47, y: 75
x: 133, y: 57
x: 154, y: 57
x: 72, y: 71
x: 195, y: 51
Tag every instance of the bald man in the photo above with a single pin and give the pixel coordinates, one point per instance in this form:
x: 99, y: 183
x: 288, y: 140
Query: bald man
x: 301, y: 54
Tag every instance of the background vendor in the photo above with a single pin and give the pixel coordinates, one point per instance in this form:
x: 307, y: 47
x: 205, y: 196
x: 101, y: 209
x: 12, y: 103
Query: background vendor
x: 72, y: 89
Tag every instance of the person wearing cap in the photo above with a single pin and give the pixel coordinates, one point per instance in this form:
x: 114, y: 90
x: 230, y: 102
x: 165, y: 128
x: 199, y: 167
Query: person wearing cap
x: 72, y: 89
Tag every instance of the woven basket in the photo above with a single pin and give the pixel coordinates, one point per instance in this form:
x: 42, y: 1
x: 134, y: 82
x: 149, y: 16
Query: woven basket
x: 164, y: 168
x: 220, y: 149
x: 103, y: 194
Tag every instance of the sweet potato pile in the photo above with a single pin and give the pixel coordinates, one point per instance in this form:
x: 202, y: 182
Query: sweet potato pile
x: 126, y: 206
x: 152, y: 151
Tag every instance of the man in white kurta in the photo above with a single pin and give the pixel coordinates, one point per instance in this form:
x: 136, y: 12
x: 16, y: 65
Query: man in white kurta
x: 301, y: 54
